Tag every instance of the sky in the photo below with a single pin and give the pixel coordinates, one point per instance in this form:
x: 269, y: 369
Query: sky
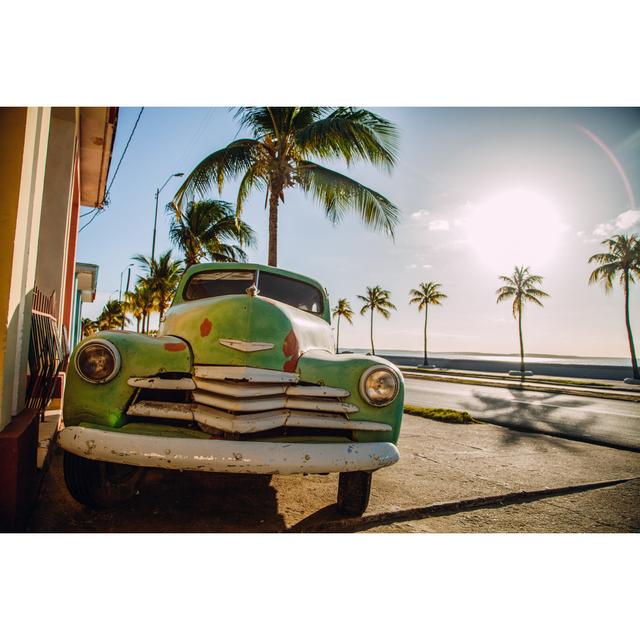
x: 479, y: 190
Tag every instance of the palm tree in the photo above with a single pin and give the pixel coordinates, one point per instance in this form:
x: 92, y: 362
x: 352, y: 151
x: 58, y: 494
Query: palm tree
x: 622, y: 257
x: 131, y: 305
x: 522, y: 287
x: 147, y: 302
x: 279, y: 156
x: 112, y: 316
x: 210, y: 227
x: 89, y: 327
x: 427, y: 293
x: 342, y: 310
x: 376, y: 299
x: 139, y: 303
x: 162, y: 278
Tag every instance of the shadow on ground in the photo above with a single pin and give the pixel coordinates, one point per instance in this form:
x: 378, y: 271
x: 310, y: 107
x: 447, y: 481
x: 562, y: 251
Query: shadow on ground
x: 521, y: 417
x: 167, y: 501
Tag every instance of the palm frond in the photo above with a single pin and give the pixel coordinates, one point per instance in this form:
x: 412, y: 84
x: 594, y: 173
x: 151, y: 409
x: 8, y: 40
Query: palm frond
x: 343, y: 309
x: 623, y: 259
x: 536, y: 293
x: 350, y: 134
x: 531, y: 298
x: 337, y: 193
x: 225, y: 163
x: 251, y: 179
x: 210, y: 226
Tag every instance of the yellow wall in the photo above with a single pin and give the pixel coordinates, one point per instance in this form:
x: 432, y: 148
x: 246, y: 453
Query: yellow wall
x: 12, y: 133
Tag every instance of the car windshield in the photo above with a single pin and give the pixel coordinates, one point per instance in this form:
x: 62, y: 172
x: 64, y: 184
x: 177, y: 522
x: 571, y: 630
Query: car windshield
x: 211, y: 284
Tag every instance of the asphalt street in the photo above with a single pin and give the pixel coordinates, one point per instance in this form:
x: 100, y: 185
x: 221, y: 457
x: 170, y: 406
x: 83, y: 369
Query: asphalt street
x: 612, y: 422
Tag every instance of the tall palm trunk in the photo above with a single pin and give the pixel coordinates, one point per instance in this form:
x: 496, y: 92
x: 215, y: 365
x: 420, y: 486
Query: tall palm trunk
x: 138, y: 324
x: 338, y: 336
x: 426, y: 312
x: 634, y: 361
x: 373, y: 349
x: 521, y: 343
x: 273, y: 227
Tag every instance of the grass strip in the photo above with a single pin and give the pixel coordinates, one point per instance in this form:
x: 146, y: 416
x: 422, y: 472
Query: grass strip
x: 441, y: 415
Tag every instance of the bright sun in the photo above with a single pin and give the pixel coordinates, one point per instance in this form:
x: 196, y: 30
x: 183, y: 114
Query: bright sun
x: 515, y: 227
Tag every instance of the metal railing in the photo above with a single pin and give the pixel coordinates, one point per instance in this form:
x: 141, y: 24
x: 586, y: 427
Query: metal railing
x: 48, y: 351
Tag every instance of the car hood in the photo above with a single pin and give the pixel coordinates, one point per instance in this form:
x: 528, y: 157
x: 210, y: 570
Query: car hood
x: 245, y: 330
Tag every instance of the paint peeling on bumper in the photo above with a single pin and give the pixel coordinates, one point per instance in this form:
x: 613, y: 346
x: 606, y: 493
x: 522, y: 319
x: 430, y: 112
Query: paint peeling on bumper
x: 225, y: 456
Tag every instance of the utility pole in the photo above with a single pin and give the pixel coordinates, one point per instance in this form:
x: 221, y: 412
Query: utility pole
x: 155, y: 217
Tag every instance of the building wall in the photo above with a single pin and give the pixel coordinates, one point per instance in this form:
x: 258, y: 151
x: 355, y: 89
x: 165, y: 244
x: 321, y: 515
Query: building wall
x: 57, y: 206
x: 74, y: 218
x: 20, y: 247
x: 13, y: 122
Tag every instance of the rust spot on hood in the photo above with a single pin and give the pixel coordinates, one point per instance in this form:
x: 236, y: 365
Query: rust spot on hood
x: 175, y: 346
x: 291, y: 351
x: 205, y: 327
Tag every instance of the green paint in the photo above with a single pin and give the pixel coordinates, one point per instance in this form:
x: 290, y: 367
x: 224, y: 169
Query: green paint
x: 106, y: 404
x: 344, y: 371
x: 302, y: 343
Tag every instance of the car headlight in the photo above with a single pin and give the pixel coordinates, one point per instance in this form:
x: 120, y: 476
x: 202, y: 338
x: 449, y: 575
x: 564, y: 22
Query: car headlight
x: 97, y: 361
x: 379, y: 385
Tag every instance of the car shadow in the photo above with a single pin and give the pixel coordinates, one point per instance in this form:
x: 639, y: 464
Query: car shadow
x: 166, y: 502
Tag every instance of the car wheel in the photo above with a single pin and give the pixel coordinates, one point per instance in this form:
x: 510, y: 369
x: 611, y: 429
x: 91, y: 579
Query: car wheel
x: 354, y: 489
x: 100, y: 484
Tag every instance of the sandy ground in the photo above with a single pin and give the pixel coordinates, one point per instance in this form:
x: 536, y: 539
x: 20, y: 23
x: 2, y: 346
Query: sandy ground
x: 440, y: 463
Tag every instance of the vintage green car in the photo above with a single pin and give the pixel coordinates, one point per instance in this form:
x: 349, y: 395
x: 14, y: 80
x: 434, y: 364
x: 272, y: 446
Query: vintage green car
x: 242, y: 377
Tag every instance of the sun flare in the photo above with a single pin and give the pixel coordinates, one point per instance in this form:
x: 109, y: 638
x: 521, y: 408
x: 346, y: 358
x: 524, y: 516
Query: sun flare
x: 515, y: 227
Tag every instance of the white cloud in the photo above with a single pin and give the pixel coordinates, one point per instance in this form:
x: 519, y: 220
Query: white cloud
x: 628, y: 219
x: 411, y: 266
x: 603, y: 229
x: 626, y: 222
x: 422, y: 213
x: 439, y: 225
x: 427, y: 266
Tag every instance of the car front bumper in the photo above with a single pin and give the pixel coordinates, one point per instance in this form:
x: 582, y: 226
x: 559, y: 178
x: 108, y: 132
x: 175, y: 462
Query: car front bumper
x: 226, y: 456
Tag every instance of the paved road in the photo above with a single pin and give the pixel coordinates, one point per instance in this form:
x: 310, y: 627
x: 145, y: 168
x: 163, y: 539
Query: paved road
x: 614, y: 422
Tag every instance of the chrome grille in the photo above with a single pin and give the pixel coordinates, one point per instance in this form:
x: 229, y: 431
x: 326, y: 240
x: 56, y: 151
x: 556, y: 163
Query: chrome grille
x: 245, y: 400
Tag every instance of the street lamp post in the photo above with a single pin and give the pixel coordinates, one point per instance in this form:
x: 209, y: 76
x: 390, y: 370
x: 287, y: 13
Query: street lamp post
x: 128, y: 267
x: 155, y: 217
x: 128, y: 270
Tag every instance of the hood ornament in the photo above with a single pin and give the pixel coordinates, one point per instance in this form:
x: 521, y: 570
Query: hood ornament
x: 252, y: 290
x: 247, y: 347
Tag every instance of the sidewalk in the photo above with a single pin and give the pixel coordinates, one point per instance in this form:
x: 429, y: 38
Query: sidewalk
x: 606, y: 389
x: 441, y: 464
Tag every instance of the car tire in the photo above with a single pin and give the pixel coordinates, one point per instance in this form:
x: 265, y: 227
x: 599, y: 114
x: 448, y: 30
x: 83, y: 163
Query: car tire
x: 354, y: 489
x: 98, y: 484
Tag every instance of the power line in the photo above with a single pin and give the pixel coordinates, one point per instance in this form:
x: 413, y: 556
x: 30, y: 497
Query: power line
x: 113, y: 177
x: 124, y: 151
x: 84, y: 226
